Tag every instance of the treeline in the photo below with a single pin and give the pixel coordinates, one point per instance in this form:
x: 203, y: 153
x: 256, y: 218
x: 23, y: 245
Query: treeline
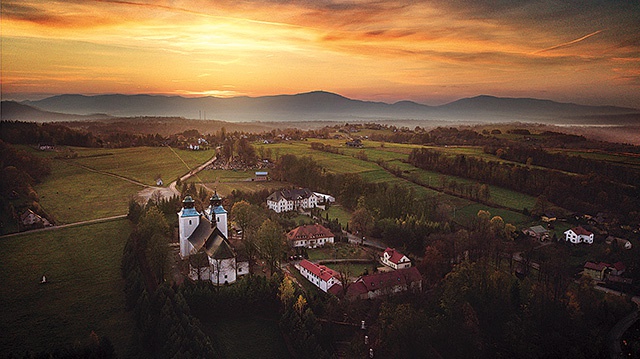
x: 20, y: 171
x: 28, y: 133
x: 560, y: 161
x: 437, y: 136
x: 583, y: 193
x: 165, y: 326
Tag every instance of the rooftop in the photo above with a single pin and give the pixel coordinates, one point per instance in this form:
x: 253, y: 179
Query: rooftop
x: 309, y: 231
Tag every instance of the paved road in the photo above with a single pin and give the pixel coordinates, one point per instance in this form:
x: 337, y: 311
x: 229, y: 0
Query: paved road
x: 353, y: 239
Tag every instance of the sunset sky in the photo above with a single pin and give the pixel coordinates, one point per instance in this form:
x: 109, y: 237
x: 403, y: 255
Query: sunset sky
x: 430, y: 52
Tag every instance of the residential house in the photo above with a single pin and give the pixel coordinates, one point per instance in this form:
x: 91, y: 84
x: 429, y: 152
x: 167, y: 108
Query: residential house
x: 578, y: 235
x: 355, y: 143
x: 394, y: 259
x: 621, y: 242
x: 261, y: 176
x: 310, y: 236
x: 30, y: 218
x: 385, y: 283
x: 204, y: 243
x: 538, y: 232
x: 321, y: 276
x: 602, y: 271
x: 291, y: 199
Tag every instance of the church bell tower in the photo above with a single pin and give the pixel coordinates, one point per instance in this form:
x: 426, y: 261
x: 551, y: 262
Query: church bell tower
x: 218, y: 214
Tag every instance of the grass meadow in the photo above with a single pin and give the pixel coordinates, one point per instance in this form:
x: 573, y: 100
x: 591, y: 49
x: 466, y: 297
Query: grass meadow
x: 393, y: 154
x: 84, y: 292
x: 72, y: 194
x: 143, y: 164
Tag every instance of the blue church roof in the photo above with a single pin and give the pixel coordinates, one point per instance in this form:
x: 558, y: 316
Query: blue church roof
x: 189, y: 212
x: 219, y: 210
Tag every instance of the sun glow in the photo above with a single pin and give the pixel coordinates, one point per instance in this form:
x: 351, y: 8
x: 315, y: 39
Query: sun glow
x: 364, y: 49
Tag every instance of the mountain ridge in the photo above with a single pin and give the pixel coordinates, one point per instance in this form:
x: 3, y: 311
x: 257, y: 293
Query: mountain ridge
x: 319, y: 105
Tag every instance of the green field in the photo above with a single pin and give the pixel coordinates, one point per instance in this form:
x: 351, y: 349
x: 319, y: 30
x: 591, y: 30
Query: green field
x: 143, y: 164
x: 84, y: 293
x: 337, y: 211
x: 72, y: 194
x: 393, y: 154
x: 337, y: 251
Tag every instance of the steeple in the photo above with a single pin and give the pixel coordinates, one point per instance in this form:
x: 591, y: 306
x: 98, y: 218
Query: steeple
x: 218, y: 214
x: 188, y: 221
x: 215, y: 200
x: 188, y: 202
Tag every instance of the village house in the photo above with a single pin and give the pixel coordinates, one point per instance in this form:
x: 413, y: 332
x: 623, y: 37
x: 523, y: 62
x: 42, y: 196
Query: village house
x: 597, y: 271
x: 538, y: 232
x: 578, y: 235
x: 394, y: 259
x: 310, y: 236
x: 602, y: 271
x: 355, y: 143
x: 291, y: 199
x: 385, y: 283
x: 620, y: 242
x: 30, y: 218
x: 321, y: 276
x: 204, y: 243
x: 261, y: 176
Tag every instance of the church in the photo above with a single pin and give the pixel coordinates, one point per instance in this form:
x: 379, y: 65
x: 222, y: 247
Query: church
x: 204, y: 243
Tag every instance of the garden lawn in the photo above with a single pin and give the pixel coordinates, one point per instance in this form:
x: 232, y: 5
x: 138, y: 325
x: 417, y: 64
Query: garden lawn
x: 84, y: 292
x: 337, y: 211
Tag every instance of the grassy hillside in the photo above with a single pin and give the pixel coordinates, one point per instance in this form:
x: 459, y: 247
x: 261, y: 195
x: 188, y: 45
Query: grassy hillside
x: 392, y: 155
x: 143, y: 164
x: 84, y: 293
x: 72, y: 194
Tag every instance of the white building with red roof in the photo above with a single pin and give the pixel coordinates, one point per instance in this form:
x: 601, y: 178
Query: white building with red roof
x: 321, y: 276
x: 310, y: 236
x: 395, y: 259
x: 578, y: 235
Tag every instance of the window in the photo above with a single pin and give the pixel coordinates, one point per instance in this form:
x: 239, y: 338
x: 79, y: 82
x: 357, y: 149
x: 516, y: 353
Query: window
x: 225, y: 276
x: 189, y: 222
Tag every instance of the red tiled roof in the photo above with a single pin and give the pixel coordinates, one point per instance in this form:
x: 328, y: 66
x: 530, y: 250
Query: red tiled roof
x: 619, y: 266
x: 320, y: 271
x: 394, y: 256
x: 581, y: 231
x: 309, y: 231
x: 356, y: 289
x: 390, y: 279
x: 335, y: 289
x: 596, y: 266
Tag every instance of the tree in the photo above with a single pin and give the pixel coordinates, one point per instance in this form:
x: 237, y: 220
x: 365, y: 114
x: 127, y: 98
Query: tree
x: 286, y: 292
x: 271, y: 244
x: 244, y: 215
x: 300, y: 305
x: 362, y: 220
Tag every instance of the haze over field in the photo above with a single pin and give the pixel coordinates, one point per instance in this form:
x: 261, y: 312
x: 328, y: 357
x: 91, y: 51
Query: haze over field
x: 428, y: 52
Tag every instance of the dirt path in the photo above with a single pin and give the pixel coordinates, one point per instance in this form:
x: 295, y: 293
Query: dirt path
x: 144, y: 195
x: 91, y: 221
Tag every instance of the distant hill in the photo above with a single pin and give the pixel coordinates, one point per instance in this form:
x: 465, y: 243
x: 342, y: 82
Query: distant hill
x: 14, y: 111
x: 320, y: 105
